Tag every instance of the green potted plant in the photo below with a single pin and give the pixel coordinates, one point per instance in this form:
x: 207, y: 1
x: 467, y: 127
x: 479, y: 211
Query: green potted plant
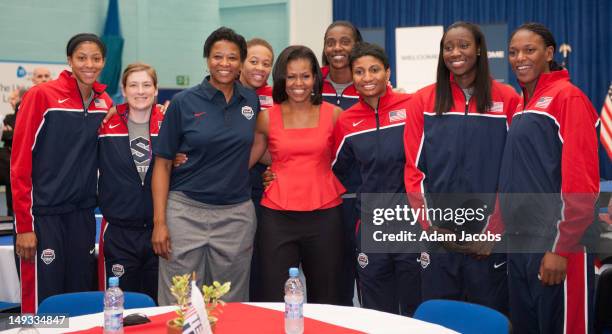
x: 180, y: 291
x: 212, y: 294
x: 212, y: 298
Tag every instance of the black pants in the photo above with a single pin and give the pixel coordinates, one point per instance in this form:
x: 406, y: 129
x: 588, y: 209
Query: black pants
x: 128, y: 254
x: 389, y: 282
x: 555, y: 309
x: 65, y: 259
x: 451, y: 275
x: 314, y: 238
x: 256, y: 195
x: 348, y: 271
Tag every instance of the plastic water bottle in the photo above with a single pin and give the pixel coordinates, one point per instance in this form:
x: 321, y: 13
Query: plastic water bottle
x: 113, y: 308
x: 294, y: 302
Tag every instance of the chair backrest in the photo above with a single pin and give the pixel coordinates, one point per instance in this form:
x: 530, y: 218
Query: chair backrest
x: 466, y: 318
x: 80, y: 303
x: 137, y: 300
x: 603, y: 301
x: 9, y: 307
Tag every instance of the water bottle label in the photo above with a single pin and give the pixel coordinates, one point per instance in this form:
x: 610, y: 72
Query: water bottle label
x: 293, y: 310
x: 113, y: 321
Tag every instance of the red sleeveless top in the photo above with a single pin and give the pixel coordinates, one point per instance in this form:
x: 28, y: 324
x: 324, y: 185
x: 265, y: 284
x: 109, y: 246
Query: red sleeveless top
x: 301, y: 161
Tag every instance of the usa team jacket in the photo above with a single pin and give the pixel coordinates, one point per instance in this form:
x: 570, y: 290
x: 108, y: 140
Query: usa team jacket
x: 123, y: 198
x: 552, y: 149
x: 370, y: 140
x: 459, y: 152
x: 265, y: 96
x: 54, y: 159
x: 345, y: 100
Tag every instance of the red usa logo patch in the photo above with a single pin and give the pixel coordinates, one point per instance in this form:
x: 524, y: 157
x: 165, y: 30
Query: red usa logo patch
x: 362, y: 259
x: 47, y: 256
x: 424, y: 260
x: 247, y: 112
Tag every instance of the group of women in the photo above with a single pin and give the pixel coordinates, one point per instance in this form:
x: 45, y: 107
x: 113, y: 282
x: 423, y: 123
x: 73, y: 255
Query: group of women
x: 182, y: 180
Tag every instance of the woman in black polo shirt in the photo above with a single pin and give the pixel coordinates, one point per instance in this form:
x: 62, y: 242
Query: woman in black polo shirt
x: 204, y: 220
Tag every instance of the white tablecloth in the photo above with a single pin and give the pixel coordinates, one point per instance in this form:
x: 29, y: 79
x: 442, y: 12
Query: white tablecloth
x: 9, y: 281
x: 366, y: 320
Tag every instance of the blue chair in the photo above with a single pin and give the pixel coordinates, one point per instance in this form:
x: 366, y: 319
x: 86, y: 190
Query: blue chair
x: 6, y: 307
x: 80, y: 303
x: 466, y: 318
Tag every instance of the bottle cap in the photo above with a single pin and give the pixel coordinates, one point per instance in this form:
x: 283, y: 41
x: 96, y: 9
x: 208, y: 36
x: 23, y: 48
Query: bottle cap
x: 294, y: 272
x: 113, y: 282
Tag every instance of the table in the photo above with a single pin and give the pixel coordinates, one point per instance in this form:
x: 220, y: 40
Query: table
x: 366, y: 320
x: 9, y: 281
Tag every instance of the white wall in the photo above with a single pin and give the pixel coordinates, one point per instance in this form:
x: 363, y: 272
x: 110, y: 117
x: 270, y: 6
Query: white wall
x: 308, y: 20
x: 168, y: 34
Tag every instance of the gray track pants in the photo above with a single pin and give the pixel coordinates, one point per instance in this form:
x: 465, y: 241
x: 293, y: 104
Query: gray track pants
x: 215, y: 241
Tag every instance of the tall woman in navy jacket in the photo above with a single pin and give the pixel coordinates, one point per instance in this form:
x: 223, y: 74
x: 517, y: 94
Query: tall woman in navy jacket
x: 124, y: 185
x: 338, y: 88
x: 454, y: 138
x: 54, y: 172
x: 368, y: 138
x: 549, y: 182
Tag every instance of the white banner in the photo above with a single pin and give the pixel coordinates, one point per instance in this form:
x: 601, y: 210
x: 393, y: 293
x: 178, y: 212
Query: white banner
x: 416, y: 52
x: 14, y: 75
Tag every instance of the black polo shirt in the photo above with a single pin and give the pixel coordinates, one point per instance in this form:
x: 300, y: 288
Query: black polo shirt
x: 217, y: 138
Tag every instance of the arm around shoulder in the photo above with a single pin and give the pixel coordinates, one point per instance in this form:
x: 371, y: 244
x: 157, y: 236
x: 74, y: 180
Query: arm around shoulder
x: 260, y: 140
x: 160, y: 185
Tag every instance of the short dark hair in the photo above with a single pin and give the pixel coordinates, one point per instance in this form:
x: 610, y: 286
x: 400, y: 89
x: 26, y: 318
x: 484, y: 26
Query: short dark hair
x: 356, y: 35
x: 279, y: 73
x: 225, y: 34
x: 77, y: 39
x: 482, y: 82
x: 368, y: 49
x: 547, y: 37
x: 262, y: 42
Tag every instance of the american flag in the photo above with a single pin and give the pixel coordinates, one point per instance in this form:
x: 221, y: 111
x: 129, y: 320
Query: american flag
x: 100, y: 103
x: 196, y: 319
x: 497, y: 107
x: 606, y: 123
x: 543, y: 102
x: 192, y: 325
x: 397, y: 115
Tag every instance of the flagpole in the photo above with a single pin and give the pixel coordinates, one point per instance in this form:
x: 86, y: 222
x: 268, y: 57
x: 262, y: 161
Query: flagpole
x: 565, y: 49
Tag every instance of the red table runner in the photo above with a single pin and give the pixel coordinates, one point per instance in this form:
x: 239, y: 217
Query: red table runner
x: 236, y: 318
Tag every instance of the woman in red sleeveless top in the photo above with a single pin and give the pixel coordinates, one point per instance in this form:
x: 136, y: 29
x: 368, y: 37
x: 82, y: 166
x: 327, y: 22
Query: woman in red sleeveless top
x: 301, y: 213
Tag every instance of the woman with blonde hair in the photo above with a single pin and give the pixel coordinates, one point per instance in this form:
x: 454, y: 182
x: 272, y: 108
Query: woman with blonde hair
x: 125, y: 151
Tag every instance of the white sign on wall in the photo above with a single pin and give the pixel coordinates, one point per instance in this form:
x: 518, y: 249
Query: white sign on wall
x: 14, y: 75
x: 416, y: 52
